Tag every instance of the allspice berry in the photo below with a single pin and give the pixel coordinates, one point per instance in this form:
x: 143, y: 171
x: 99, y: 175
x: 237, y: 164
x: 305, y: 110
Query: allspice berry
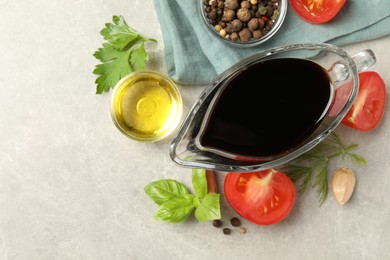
x: 253, y: 24
x: 234, y: 36
x: 246, y: 4
x: 245, y: 34
x: 261, y: 23
x: 257, y: 34
x: 229, y: 15
x: 244, y: 14
x: 236, y: 25
x: 232, y: 4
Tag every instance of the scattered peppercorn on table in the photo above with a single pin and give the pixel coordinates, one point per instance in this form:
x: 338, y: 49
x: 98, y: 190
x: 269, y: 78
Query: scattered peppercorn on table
x: 72, y: 186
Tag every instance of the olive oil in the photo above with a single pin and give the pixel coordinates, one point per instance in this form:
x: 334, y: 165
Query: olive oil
x: 146, y: 106
x: 268, y: 109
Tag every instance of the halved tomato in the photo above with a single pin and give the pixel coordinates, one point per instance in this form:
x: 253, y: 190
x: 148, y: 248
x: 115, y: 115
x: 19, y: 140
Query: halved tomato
x: 317, y: 11
x: 263, y: 198
x: 367, y: 111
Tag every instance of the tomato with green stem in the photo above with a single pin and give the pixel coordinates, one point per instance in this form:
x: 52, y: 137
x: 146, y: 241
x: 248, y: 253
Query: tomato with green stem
x: 369, y: 106
x: 317, y: 11
x: 263, y: 197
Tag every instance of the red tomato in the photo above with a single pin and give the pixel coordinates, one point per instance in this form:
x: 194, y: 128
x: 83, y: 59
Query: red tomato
x: 317, y: 11
x: 263, y: 198
x: 368, y: 109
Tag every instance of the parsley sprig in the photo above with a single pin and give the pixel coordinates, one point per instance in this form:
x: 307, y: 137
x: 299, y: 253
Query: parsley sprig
x: 123, y: 53
x: 312, y: 166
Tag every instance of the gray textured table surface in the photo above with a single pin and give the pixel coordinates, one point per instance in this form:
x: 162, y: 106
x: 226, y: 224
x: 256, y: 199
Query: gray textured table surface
x: 71, y: 186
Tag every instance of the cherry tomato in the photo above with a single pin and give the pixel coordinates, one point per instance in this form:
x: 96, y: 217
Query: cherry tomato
x: 317, y: 11
x: 263, y: 198
x: 368, y: 109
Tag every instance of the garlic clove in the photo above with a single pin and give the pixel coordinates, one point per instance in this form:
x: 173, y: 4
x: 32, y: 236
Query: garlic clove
x: 343, y: 184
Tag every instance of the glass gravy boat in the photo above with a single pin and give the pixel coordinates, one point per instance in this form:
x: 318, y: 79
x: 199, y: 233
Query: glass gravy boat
x: 342, y: 69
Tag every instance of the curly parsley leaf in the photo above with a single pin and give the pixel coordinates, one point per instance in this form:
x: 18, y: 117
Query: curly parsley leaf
x: 123, y: 53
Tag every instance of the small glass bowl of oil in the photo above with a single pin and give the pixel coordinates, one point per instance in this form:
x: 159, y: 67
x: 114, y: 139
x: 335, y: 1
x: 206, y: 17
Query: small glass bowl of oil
x: 146, y: 106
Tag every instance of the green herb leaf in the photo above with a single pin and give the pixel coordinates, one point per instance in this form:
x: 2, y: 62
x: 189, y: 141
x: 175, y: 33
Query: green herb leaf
x: 123, y: 53
x: 315, y: 163
x: 138, y: 57
x: 209, y: 208
x: 199, y: 182
x: 321, y: 182
x: 115, y: 65
x: 300, y: 174
x: 163, y: 190
x: 118, y: 33
x: 176, y: 209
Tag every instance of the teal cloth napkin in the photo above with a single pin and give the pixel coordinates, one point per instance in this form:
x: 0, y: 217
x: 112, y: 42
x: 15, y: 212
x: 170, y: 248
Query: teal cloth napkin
x: 193, y: 56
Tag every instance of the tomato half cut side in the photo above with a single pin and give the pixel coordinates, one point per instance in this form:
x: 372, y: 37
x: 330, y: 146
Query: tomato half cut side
x: 369, y: 106
x: 263, y: 197
x: 317, y: 11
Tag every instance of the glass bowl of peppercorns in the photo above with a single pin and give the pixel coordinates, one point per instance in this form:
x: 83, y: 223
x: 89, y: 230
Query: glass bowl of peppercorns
x: 243, y: 23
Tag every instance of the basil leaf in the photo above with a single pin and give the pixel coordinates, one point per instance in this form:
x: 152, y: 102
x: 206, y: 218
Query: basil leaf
x: 209, y: 208
x: 176, y: 209
x: 163, y: 190
x: 199, y: 182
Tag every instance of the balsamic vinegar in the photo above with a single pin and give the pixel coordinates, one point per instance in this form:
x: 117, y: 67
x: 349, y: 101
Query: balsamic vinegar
x: 268, y: 109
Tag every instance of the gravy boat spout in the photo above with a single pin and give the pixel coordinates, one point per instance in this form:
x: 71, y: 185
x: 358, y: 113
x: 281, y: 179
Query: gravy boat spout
x: 270, y: 108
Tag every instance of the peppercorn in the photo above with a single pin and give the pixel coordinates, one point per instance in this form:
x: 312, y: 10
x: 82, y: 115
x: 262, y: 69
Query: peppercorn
x: 236, y: 222
x: 226, y: 231
x: 243, y: 14
x: 275, y: 15
x: 241, y: 19
x: 270, y: 11
x: 221, y: 4
x: 245, y: 34
x: 212, y: 15
x: 269, y: 25
x: 242, y: 230
x: 222, y: 24
x: 229, y: 28
x: 217, y: 223
x: 262, y: 10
